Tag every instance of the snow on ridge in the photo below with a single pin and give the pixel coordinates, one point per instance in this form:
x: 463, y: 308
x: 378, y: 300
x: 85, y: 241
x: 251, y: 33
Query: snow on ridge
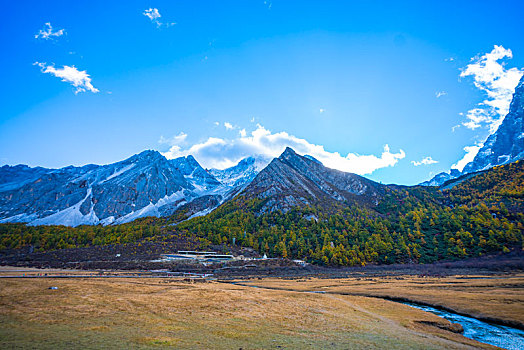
x: 119, y: 172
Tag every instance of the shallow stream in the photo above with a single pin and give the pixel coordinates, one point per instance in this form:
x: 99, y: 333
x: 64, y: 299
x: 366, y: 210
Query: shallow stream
x: 484, y: 332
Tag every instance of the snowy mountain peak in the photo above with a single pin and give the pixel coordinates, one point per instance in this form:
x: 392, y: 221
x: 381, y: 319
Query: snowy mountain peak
x: 242, y: 173
x: 504, y: 146
x: 147, y: 155
x: 145, y: 184
x: 195, y: 174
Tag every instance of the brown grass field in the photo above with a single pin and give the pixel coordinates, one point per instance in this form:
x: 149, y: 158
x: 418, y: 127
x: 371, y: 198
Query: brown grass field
x: 172, y: 313
x: 489, y: 297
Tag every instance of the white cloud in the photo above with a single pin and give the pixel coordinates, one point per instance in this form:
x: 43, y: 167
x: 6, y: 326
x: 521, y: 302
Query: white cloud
x: 439, y: 94
x: 47, y: 32
x: 221, y: 153
x: 321, y: 110
x: 216, y: 123
x: 424, y: 161
x: 173, y: 141
x: 154, y: 15
x: 70, y: 74
x: 471, y: 152
x: 269, y: 4
x: 243, y: 133
x: 229, y: 126
x: 449, y: 59
x: 497, y: 82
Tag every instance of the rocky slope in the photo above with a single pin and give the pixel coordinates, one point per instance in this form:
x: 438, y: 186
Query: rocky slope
x: 146, y: 184
x: 293, y: 180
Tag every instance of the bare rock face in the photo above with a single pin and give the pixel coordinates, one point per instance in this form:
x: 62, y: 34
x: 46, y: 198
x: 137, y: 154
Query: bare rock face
x: 144, y: 180
x: 195, y: 174
x: 91, y: 194
x: 146, y: 184
x: 291, y: 180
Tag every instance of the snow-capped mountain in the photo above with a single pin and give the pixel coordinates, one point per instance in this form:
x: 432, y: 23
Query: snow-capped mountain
x: 442, y: 177
x: 242, y: 173
x: 505, y: 145
x: 202, y: 180
x: 146, y: 184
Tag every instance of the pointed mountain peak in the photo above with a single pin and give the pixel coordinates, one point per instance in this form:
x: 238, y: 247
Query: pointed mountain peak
x: 186, y: 164
x: 147, y: 155
x: 288, y: 153
x: 192, y: 161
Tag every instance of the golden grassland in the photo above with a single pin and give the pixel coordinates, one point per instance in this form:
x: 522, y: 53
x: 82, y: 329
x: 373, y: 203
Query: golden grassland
x: 156, y: 313
x: 498, y: 297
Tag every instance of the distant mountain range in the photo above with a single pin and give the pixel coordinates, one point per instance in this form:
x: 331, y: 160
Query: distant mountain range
x: 148, y: 184
x: 504, y: 146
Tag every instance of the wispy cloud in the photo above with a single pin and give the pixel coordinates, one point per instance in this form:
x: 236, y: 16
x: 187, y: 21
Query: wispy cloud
x: 497, y: 82
x: 439, y: 94
x: 173, y: 141
x: 154, y: 15
x: 424, y: 161
x: 70, y: 74
x: 229, y: 126
x: 47, y: 32
x: 471, y: 152
x: 268, y: 3
x: 321, y: 110
x: 221, y: 153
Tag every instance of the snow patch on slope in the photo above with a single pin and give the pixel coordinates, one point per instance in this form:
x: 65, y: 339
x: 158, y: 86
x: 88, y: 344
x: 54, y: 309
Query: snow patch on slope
x: 153, y: 209
x: 70, y: 216
x: 119, y: 172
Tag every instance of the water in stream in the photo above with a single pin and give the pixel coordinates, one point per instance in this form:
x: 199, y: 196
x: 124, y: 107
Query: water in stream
x: 501, y: 336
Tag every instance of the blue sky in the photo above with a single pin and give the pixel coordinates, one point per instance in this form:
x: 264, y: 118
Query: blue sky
x: 365, y: 86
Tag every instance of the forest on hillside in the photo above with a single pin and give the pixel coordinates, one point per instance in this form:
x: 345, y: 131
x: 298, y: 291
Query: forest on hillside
x: 480, y: 215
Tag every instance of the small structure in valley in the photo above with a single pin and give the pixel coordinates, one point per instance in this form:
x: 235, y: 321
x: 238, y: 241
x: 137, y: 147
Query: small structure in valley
x: 198, y: 256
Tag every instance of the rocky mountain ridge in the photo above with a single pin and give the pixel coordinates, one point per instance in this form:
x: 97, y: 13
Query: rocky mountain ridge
x: 146, y: 184
x: 293, y: 180
x: 504, y: 146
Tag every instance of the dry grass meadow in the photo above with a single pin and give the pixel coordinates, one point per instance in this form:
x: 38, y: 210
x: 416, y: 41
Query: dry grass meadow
x: 499, y: 297
x: 168, y: 313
